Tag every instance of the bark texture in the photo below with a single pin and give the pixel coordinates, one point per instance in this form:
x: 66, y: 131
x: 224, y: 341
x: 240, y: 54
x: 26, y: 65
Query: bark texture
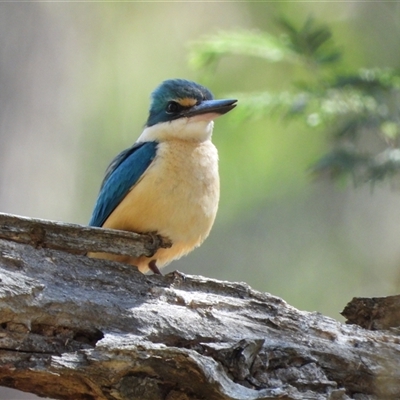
x: 77, y: 328
x: 376, y: 313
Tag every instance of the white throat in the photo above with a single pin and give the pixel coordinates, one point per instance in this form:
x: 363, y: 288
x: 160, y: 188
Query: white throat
x: 189, y: 129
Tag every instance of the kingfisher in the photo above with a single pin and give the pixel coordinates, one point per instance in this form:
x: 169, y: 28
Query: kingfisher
x: 168, y: 181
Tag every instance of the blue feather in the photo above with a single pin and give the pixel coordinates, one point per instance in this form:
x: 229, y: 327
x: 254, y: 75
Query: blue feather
x: 123, y: 172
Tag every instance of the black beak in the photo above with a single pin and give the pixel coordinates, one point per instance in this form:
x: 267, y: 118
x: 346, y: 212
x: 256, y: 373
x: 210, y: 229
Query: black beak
x: 211, y: 106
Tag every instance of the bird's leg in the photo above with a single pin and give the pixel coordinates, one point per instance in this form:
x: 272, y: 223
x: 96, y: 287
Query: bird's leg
x: 153, y: 267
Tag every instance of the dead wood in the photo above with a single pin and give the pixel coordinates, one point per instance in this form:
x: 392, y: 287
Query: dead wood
x: 72, y: 327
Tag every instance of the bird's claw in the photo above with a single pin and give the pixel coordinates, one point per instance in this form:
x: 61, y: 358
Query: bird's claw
x: 153, y: 267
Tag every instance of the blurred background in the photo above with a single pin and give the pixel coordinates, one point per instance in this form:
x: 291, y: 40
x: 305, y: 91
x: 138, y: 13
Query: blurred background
x: 75, y: 80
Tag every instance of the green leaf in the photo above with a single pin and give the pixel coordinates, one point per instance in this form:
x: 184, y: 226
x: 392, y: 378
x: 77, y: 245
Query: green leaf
x: 245, y: 43
x: 312, y: 42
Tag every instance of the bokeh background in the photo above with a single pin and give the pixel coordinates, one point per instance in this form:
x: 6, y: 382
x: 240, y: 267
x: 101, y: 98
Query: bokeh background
x: 75, y: 80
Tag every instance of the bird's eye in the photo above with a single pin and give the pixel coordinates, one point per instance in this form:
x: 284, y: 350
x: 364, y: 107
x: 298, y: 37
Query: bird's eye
x: 173, y: 107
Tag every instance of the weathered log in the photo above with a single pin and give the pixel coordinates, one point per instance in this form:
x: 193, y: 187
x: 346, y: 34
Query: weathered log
x: 72, y: 327
x: 76, y: 238
x: 376, y: 313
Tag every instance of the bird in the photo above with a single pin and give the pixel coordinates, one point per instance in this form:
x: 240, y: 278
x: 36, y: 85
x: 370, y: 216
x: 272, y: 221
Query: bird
x: 167, y: 182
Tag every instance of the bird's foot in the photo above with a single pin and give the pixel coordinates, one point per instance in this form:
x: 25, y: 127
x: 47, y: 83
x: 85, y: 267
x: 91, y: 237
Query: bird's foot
x: 153, y: 267
x: 159, y: 241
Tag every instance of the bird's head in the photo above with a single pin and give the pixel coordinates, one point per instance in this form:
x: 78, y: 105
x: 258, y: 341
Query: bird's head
x: 184, y: 110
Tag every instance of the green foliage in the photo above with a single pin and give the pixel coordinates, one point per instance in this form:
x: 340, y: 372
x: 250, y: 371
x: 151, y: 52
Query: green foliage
x: 310, y: 42
x: 357, y: 109
x: 248, y: 43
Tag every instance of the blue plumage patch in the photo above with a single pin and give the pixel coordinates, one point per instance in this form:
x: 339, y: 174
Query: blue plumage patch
x: 123, y: 172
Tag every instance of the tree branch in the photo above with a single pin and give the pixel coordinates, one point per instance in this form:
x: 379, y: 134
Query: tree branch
x: 378, y: 313
x: 72, y: 327
x: 78, y: 239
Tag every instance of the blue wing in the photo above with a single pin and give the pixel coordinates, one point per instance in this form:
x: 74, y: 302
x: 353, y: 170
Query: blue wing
x: 123, y: 172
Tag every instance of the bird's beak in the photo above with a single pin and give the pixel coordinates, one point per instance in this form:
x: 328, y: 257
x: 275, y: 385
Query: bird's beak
x: 218, y: 107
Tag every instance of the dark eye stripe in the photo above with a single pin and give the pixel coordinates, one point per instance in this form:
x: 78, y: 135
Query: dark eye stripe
x: 173, y: 107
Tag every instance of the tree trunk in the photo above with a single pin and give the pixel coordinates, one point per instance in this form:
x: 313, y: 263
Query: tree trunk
x: 76, y: 328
